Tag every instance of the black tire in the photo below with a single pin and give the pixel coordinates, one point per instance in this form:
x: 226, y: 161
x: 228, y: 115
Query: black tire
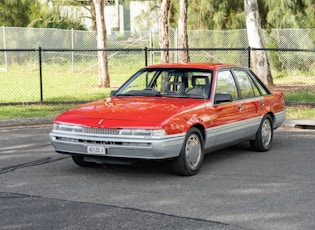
x: 79, y: 160
x: 189, y: 161
x: 264, y: 135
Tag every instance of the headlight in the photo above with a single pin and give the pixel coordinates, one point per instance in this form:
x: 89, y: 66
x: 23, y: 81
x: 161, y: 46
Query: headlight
x: 143, y: 132
x: 67, y: 128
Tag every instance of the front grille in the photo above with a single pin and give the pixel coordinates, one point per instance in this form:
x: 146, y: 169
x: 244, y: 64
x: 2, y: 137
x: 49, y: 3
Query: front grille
x: 101, y: 131
x: 99, y: 142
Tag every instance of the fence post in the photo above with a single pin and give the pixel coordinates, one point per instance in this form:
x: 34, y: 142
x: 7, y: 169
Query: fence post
x: 146, y: 56
x: 5, y: 46
x: 40, y: 73
x: 249, y: 57
x: 72, y: 47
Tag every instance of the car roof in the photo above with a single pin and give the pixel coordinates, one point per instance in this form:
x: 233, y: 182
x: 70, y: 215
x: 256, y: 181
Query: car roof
x: 192, y: 65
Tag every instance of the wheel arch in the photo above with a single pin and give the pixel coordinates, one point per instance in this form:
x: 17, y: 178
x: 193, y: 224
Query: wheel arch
x: 271, y: 114
x: 202, y: 130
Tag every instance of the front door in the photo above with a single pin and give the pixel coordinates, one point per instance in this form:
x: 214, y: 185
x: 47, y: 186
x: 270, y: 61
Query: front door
x: 227, y: 118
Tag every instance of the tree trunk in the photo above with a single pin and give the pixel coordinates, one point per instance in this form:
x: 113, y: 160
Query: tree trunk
x: 259, y: 58
x: 182, y: 32
x: 93, y: 16
x: 103, y: 80
x: 163, y: 30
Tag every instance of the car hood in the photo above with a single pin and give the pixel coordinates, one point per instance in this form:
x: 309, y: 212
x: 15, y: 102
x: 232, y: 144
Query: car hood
x: 117, y: 112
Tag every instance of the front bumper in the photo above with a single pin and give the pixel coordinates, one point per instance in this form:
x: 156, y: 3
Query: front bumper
x: 117, y: 146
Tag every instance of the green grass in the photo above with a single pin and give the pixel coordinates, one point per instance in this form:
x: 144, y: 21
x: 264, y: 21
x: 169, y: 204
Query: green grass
x: 300, y: 112
x: 21, y: 83
x: 31, y: 111
x: 300, y: 96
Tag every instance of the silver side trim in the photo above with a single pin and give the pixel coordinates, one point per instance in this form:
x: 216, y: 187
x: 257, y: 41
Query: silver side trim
x: 218, y: 135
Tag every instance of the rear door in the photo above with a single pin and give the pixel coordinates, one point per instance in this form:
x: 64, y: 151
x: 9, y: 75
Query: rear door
x: 252, y: 102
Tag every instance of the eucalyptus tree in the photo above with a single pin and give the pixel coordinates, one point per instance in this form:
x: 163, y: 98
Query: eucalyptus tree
x: 101, y: 43
x: 255, y: 40
x: 163, y: 30
x: 183, y: 55
x: 199, y: 12
x: 97, y: 16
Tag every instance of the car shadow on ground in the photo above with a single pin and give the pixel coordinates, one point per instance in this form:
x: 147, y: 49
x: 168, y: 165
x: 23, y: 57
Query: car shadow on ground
x: 230, y: 152
x: 161, y: 168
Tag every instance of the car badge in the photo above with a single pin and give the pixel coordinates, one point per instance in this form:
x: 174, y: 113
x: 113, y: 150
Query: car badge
x: 100, y: 122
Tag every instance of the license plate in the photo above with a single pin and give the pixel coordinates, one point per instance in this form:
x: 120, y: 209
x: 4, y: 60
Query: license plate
x: 98, y: 150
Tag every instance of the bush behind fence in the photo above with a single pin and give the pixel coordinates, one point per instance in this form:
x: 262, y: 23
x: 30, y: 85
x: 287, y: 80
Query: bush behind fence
x: 71, y: 75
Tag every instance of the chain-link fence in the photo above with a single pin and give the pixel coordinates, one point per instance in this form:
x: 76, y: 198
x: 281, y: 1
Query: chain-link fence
x: 51, y: 75
x: 65, y: 69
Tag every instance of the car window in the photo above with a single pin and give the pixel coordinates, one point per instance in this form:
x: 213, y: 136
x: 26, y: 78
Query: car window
x: 247, y: 87
x: 255, y: 88
x: 226, y: 84
x: 262, y: 89
x: 191, y: 83
x: 143, y: 82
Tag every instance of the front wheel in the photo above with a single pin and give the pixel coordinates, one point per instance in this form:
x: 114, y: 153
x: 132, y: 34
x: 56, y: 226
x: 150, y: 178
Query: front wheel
x: 191, y: 156
x: 264, y: 135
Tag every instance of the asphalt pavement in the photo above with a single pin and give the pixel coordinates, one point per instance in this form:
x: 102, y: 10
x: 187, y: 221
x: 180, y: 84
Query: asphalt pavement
x: 235, y: 189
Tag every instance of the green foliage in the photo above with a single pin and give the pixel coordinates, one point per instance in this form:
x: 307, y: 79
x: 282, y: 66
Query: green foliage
x: 15, y: 12
x: 44, y: 17
x: 229, y: 14
x: 30, y: 13
x: 287, y: 13
x: 215, y: 14
x: 203, y: 14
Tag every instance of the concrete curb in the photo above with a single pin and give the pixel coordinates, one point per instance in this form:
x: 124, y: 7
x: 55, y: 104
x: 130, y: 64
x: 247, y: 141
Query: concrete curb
x: 291, y: 123
x: 300, y: 123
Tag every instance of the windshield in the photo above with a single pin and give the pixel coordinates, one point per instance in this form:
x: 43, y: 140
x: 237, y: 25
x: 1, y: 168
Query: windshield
x: 191, y: 83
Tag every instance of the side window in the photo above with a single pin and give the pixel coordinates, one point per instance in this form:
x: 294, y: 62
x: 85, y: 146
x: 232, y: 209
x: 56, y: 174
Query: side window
x: 258, y: 84
x: 246, y: 85
x: 255, y: 88
x: 226, y: 84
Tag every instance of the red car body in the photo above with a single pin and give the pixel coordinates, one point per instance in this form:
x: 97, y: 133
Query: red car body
x: 181, y: 112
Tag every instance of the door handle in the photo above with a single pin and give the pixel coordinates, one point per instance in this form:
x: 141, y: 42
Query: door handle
x: 262, y: 102
x: 240, y: 106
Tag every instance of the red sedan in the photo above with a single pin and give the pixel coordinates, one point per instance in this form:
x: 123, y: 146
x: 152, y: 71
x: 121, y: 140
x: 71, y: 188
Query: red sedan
x: 175, y: 112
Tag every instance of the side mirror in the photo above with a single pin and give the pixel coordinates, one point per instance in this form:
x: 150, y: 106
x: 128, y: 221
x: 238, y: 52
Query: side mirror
x: 222, y: 97
x: 113, y: 92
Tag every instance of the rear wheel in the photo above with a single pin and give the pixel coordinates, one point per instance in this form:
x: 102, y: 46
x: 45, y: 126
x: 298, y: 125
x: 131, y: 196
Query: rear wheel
x: 191, y: 156
x: 264, y: 135
x: 79, y: 160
